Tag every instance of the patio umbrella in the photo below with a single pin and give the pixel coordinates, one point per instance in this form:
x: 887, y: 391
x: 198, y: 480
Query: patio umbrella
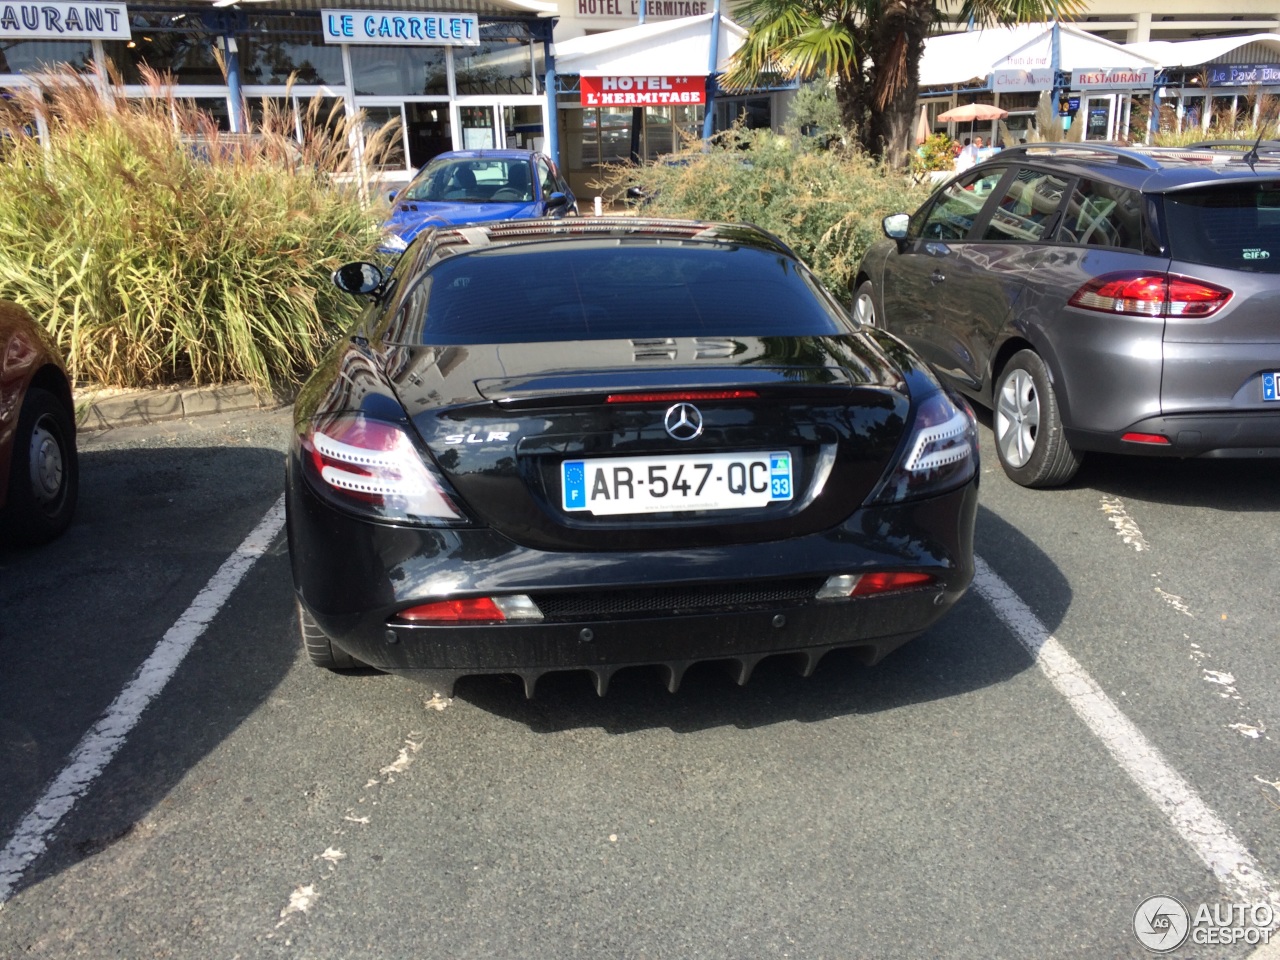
x: 973, y: 111
x: 923, y: 128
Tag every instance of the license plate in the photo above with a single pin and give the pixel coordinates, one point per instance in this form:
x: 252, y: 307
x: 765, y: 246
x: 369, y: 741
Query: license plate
x: 715, y: 481
x: 1271, y: 386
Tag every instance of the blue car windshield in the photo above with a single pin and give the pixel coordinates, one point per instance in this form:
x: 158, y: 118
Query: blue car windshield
x: 482, y: 180
x: 616, y: 290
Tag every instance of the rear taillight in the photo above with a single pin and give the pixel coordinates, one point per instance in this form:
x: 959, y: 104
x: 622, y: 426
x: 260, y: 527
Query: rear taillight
x: 1150, y: 295
x: 373, y: 467
x: 941, y: 452
x: 473, y: 610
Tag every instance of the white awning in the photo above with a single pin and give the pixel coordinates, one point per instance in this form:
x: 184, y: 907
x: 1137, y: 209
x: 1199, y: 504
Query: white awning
x: 962, y: 57
x: 666, y: 48
x: 1194, y: 53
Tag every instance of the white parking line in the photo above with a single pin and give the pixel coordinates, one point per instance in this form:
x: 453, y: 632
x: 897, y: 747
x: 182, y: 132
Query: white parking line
x: 1190, y: 817
x: 101, y: 743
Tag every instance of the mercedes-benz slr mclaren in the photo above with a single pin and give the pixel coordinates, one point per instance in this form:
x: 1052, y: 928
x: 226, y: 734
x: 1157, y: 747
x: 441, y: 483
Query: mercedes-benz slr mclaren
x: 601, y: 443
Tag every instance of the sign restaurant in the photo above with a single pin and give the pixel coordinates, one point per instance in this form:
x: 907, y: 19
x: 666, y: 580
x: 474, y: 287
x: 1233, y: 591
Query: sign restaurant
x: 1243, y: 74
x: 382, y: 26
x: 1125, y: 78
x: 1020, y: 81
x: 64, y: 21
x: 642, y: 91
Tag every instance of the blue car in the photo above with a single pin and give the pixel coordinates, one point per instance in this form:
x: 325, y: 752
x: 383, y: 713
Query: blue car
x: 473, y: 186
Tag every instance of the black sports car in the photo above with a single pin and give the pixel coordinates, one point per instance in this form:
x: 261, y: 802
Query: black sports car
x: 596, y: 443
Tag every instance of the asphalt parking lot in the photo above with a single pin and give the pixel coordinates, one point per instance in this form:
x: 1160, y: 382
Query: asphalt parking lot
x: 1092, y: 726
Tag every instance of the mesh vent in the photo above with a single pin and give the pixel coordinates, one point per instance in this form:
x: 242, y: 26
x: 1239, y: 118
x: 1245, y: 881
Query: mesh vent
x: 667, y: 601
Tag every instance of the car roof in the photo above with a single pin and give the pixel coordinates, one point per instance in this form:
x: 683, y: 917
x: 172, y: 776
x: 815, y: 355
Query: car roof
x: 507, y: 233
x: 503, y: 153
x: 1154, y: 169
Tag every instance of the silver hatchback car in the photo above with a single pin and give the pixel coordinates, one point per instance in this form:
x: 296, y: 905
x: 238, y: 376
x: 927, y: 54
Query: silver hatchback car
x: 1097, y: 298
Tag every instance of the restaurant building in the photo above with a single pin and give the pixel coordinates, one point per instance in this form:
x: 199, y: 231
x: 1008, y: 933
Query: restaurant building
x: 457, y: 74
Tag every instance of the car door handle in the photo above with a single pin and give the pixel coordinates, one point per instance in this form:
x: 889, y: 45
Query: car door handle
x: 937, y: 276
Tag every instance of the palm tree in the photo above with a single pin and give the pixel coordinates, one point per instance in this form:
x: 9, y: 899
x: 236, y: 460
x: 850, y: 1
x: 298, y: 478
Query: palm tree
x: 871, y: 47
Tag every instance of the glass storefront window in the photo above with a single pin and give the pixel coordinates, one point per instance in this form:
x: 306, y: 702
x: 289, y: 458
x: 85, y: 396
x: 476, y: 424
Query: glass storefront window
x: 523, y: 127
x: 34, y: 56
x: 659, y: 134
x: 277, y: 47
x: 169, y: 43
x: 374, y: 120
x: 496, y: 66
x: 216, y: 108
x: 755, y: 113
x: 381, y: 71
x: 274, y: 115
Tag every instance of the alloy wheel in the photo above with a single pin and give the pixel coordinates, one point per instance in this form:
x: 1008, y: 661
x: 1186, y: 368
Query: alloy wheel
x: 1017, y: 418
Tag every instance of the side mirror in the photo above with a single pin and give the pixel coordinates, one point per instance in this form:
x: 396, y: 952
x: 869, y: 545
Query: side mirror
x: 895, y: 226
x: 391, y: 196
x: 556, y: 199
x: 359, y: 278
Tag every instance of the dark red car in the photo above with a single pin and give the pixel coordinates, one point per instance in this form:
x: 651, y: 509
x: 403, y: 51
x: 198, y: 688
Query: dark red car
x: 38, y: 470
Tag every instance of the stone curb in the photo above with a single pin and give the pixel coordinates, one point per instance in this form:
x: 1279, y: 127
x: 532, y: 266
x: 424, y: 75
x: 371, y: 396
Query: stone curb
x: 152, y: 406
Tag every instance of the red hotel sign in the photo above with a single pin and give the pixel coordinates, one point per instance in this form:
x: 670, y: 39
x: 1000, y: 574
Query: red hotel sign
x: 642, y: 91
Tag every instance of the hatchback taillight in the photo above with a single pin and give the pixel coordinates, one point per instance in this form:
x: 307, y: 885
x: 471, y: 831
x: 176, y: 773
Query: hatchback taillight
x: 1151, y: 295
x: 373, y: 467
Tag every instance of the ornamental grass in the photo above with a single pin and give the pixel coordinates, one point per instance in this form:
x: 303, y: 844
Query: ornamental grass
x: 156, y: 249
x: 827, y: 204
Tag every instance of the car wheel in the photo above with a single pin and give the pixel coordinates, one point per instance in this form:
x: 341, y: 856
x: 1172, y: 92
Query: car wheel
x: 1028, y: 426
x: 864, y: 304
x: 320, y: 649
x: 44, y: 476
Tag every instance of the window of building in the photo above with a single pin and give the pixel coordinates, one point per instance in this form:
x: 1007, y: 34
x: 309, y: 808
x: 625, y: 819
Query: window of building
x: 168, y: 43
x: 34, y: 56
x: 275, y: 48
x: 385, y: 71
x: 498, y: 66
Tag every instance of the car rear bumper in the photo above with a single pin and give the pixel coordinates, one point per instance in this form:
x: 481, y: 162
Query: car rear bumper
x: 355, y: 576
x: 1239, y: 435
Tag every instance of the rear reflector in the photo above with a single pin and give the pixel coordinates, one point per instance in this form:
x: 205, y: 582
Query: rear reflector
x: 1145, y: 438
x: 676, y: 396
x: 855, y: 585
x: 474, y: 610
x: 1150, y: 295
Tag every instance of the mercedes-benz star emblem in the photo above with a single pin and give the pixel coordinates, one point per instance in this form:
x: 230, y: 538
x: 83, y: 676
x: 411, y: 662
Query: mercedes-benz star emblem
x: 683, y: 421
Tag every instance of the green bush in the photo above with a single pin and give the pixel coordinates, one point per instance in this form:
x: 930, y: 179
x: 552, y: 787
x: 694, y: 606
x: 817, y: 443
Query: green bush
x: 825, y: 204
x: 153, y: 260
x: 935, y: 154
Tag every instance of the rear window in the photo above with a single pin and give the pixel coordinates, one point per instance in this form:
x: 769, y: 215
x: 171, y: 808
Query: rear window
x: 1235, y: 226
x: 573, y: 291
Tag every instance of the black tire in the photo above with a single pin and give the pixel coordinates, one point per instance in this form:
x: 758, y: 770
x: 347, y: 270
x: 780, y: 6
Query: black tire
x: 1027, y: 424
x: 320, y: 650
x: 44, y: 472
x: 864, y: 304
